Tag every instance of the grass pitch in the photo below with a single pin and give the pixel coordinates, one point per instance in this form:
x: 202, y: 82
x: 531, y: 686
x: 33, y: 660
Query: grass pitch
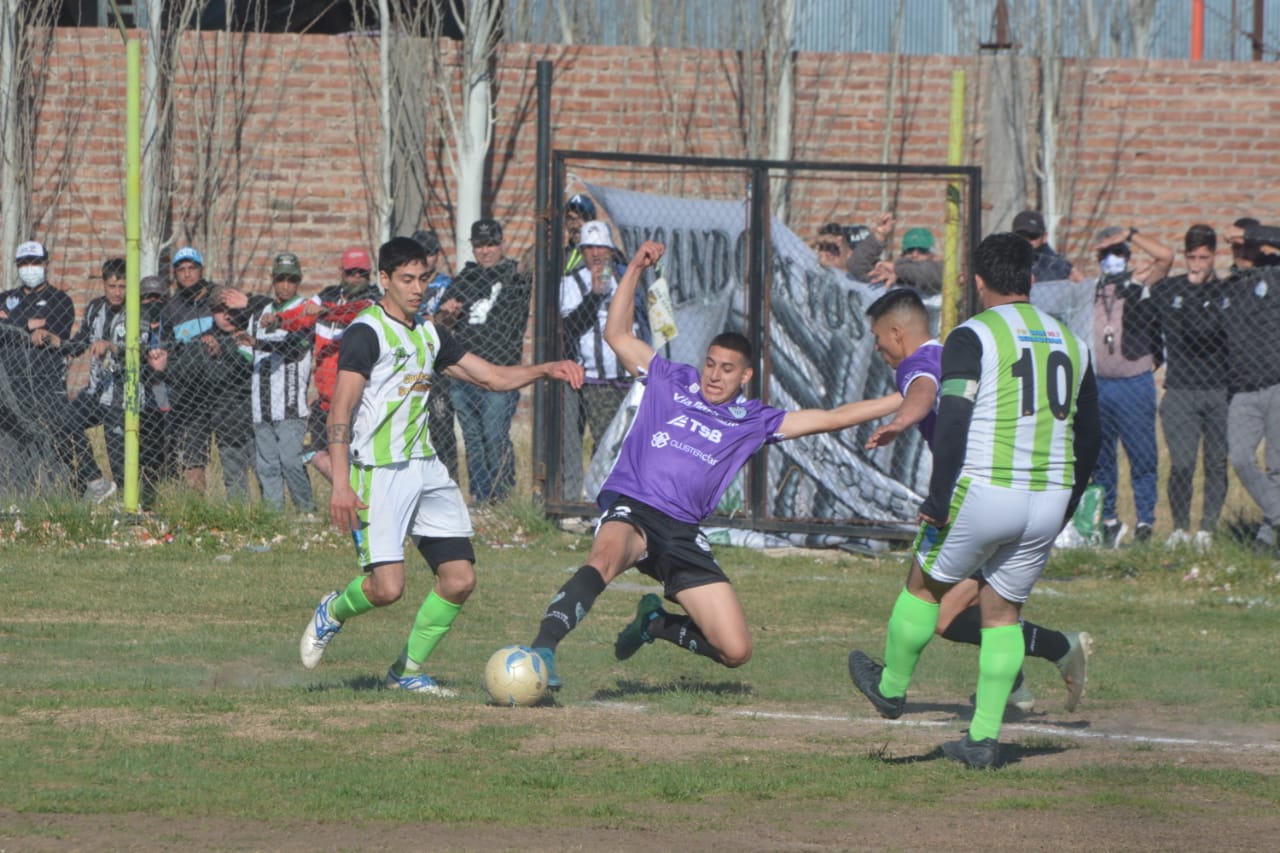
x: 152, y: 698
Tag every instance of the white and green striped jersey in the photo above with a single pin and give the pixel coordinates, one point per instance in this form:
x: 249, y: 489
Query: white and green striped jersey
x: 1021, y: 434
x: 390, y: 424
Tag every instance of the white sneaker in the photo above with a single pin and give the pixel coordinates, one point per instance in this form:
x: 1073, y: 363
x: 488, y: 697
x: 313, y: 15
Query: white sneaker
x: 321, y: 629
x: 1074, y: 665
x: 1178, y: 539
x: 1203, y: 540
x: 418, y: 682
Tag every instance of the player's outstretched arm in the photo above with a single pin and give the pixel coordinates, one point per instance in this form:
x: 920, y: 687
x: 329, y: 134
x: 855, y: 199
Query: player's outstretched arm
x: 495, y: 377
x: 811, y: 421
x: 633, y: 353
x: 922, y: 394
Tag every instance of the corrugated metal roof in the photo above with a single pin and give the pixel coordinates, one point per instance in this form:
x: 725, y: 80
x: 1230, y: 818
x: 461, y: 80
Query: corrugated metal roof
x: 949, y: 27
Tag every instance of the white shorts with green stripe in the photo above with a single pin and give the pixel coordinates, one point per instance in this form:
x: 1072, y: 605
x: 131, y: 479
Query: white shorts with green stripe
x: 409, y: 498
x: 1005, y: 533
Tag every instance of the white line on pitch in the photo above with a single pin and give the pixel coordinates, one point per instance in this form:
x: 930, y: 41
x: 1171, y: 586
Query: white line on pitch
x: 1021, y: 727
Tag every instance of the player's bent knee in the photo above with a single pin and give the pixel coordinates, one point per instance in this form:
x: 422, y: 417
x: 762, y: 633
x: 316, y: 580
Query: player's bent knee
x: 384, y: 593
x: 456, y: 580
x: 736, y: 653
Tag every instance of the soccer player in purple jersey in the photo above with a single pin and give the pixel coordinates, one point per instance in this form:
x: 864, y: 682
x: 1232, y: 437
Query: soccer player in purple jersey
x: 900, y: 323
x: 692, y: 433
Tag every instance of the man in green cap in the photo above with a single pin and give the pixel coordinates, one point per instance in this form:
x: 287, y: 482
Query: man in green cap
x: 282, y: 335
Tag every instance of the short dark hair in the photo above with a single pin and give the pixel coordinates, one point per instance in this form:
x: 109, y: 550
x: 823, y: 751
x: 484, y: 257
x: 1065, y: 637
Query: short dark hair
x: 1246, y: 222
x: 113, y: 268
x: 399, y: 251
x: 897, y: 299
x: 1004, y: 261
x: 735, y: 341
x: 1199, y: 236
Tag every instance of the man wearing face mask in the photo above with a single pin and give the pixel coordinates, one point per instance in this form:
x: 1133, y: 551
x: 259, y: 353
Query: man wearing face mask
x: 33, y: 315
x: 1124, y: 359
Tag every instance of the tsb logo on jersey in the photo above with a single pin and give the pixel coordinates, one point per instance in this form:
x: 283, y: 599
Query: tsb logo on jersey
x: 691, y: 424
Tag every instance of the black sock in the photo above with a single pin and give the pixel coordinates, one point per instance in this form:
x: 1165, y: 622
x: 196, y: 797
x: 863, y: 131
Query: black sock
x: 680, y: 629
x: 966, y: 627
x: 1044, y: 642
x: 1040, y: 642
x: 569, y: 607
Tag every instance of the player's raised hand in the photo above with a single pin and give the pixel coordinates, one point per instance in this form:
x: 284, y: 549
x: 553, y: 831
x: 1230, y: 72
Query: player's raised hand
x: 648, y: 254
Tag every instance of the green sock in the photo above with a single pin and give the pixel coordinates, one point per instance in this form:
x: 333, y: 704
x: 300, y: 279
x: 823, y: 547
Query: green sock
x: 352, y: 602
x: 911, y: 628
x: 429, y: 627
x: 999, y: 661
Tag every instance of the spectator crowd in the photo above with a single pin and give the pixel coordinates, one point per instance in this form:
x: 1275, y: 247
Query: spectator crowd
x: 251, y: 375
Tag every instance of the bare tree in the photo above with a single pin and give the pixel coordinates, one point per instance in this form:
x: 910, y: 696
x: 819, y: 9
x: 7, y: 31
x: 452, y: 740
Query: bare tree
x: 466, y: 118
x: 163, y: 22
x: 780, y: 76
x: 1142, y: 18
x: 26, y: 38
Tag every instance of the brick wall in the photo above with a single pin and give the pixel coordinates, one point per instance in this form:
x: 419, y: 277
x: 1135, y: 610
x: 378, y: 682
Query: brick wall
x: 1158, y: 145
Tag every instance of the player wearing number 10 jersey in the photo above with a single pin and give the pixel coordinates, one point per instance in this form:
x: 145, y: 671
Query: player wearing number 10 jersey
x: 1016, y: 438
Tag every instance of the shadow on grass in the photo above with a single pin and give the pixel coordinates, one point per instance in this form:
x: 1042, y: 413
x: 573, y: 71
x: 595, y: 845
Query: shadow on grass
x: 1010, y: 754
x: 361, y: 682
x: 630, y: 689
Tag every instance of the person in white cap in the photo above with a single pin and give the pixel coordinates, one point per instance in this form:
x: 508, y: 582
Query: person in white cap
x: 584, y: 305
x: 34, y: 315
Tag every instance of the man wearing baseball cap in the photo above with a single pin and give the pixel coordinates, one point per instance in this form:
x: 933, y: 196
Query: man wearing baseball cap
x: 917, y: 266
x: 35, y: 316
x: 35, y: 304
x: 585, y: 295
x: 187, y: 320
x: 488, y: 305
x: 1049, y: 265
x: 282, y: 333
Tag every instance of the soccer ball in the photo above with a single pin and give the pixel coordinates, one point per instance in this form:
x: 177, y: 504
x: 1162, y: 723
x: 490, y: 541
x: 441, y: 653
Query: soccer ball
x: 516, y: 675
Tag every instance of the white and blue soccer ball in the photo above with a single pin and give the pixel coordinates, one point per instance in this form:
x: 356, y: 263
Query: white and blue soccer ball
x: 515, y: 675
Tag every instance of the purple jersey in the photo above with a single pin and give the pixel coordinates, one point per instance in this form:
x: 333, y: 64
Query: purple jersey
x: 926, y: 362
x: 681, y: 452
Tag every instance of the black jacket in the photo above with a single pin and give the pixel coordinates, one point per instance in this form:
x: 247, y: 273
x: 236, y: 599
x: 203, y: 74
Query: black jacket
x: 495, y: 310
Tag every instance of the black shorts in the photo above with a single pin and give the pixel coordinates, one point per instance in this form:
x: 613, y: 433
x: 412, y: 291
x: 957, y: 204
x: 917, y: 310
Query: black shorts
x: 319, y: 438
x: 677, y: 554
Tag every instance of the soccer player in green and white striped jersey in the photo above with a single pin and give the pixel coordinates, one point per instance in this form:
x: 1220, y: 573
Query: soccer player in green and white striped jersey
x: 1015, y: 441
x: 387, y: 479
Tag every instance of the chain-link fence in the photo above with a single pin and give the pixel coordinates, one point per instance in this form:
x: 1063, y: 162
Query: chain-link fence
x: 794, y: 283
x: 235, y: 382
x: 1185, y: 352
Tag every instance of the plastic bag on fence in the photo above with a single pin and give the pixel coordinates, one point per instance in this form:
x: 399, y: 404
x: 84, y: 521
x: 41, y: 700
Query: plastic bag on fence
x: 1085, y: 529
x: 662, y: 314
